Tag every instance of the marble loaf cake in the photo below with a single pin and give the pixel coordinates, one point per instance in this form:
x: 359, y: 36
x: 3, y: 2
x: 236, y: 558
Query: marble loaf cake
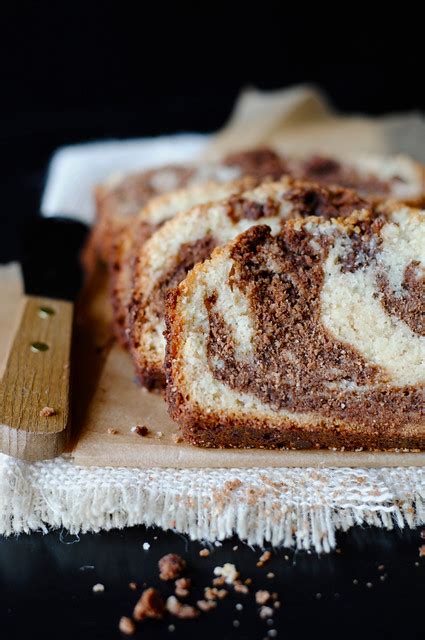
x: 132, y: 207
x: 313, y: 337
x: 165, y: 259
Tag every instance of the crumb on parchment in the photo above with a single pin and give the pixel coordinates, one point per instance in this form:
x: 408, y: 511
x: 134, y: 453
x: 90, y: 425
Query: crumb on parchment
x: 46, y: 412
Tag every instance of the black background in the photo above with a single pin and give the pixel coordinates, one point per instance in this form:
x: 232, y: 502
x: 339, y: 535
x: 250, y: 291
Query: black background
x: 80, y: 71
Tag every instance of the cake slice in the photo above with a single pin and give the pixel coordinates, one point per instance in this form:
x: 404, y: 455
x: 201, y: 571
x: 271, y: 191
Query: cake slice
x: 165, y: 259
x: 121, y: 197
x: 312, y: 337
x: 130, y: 240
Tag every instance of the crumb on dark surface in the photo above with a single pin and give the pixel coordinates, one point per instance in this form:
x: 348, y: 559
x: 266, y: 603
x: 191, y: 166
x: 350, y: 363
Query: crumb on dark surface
x: 184, y: 611
x: 228, y: 571
x: 212, y: 593
x: 265, y: 557
x: 182, y: 587
x: 171, y: 566
x: 127, y: 626
x: 204, y: 553
x: 240, y: 588
x: 262, y: 596
x: 206, y: 605
x: 265, y: 612
x: 149, y: 605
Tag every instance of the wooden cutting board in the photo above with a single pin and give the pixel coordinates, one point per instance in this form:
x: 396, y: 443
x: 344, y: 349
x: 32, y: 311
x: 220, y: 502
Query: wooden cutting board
x: 107, y: 403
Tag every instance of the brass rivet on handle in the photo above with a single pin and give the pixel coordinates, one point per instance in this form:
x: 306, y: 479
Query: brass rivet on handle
x: 39, y: 346
x: 46, y: 312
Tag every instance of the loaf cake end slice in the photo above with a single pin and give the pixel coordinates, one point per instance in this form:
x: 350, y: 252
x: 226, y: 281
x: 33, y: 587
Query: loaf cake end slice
x: 310, y: 338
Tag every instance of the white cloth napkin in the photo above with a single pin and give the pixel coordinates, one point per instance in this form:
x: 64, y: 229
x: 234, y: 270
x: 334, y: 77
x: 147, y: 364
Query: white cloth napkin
x: 76, y: 169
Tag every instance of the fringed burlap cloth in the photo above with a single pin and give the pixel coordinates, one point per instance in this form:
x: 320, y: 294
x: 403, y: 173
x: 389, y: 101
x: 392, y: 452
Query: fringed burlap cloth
x: 301, y: 507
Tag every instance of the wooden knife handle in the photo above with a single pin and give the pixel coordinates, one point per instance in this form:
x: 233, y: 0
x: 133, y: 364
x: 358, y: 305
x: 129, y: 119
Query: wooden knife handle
x: 36, y: 381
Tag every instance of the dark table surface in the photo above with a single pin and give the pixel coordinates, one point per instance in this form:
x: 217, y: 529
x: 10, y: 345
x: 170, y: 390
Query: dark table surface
x: 373, y: 587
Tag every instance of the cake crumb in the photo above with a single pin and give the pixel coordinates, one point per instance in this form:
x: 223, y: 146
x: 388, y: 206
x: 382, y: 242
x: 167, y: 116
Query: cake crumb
x: 112, y: 432
x: 266, y: 612
x: 228, y: 572
x: 262, y: 596
x: 140, y: 429
x: 422, y: 534
x: 238, y: 606
x: 204, y: 553
x: 177, y: 439
x: 180, y: 610
x: 206, y: 605
x: 235, y: 548
x: 159, y: 434
x: 381, y: 567
x: 132, y: 586
x: 240, y: 588
x: 98, y: 588
x: 149, y: 605
x: 127, y: 626
x: 276, y: 604
x: 265, y: 557
x: 212, y: 593
x: 182, y: 587
x: 231, y: 485
x: 146, y: 546
x: 218, y: 582
x: 422, y: 551
x: 369, y: 585
x: 171, y: 566
x: 46, y: 412
x: 270, y: 574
